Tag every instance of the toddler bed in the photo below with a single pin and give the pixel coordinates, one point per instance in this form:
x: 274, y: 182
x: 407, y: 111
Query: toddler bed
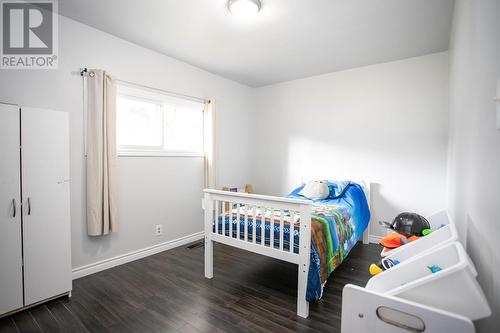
x: 323, y: 231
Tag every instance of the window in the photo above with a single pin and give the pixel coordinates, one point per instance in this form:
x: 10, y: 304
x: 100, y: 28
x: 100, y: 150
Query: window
x: 151, y: 123
x: 139, y: 123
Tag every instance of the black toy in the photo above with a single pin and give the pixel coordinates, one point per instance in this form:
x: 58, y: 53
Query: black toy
x: 408, y: 224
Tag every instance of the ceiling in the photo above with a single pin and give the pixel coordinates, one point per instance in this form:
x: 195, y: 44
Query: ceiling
x: 289, y: 39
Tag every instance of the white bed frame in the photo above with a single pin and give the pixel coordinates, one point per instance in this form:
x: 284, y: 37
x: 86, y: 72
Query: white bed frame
x: 214, y: 201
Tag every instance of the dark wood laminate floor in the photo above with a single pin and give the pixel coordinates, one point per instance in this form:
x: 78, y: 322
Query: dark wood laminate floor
x: 168, y: 293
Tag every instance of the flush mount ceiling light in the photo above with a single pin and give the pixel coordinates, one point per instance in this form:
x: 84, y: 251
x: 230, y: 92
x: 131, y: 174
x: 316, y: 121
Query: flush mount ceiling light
x: 244, y: 8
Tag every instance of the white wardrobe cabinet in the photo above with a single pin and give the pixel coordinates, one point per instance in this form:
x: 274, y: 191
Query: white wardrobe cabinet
x: 11, y: 270
x: 35, y: 248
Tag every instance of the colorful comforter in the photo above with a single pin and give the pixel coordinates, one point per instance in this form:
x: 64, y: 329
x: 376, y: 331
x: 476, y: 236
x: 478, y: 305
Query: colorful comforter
x: 337, y: 224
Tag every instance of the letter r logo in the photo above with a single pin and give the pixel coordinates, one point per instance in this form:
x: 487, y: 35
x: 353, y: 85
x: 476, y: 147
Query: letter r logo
x: 27, y: 27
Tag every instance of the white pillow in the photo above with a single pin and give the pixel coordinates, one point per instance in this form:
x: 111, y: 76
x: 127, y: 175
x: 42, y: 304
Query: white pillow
x: 315, y: 190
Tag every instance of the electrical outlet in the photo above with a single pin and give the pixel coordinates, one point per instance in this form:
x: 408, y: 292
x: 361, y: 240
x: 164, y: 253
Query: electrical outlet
x: 158, y: 230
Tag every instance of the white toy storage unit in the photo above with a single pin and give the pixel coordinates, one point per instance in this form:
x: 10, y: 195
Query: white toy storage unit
x: 408, y: 297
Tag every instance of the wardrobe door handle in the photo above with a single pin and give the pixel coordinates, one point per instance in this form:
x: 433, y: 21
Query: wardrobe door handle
x: 15, y: 207
x: 29, y: 206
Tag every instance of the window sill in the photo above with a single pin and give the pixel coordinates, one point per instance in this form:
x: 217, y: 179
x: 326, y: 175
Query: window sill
x: 158, y: 154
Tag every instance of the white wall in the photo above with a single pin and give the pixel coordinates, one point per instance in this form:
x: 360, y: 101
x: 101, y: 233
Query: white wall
x: 152, y: 190
x: 385, y: 123
x: 474, y: 177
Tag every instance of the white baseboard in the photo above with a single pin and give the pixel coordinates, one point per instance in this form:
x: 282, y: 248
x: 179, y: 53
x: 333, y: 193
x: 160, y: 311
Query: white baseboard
x: 375, y: 239
x: 98, y: 266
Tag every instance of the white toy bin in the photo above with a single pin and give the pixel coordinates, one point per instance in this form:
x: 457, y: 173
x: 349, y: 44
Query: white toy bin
x: 452, y: 289
x: 437, y: 238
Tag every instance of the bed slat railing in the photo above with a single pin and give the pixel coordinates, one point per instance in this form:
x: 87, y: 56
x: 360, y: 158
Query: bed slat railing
x: 257, y: 206
x: 216, y: 205
x: 254, y: 226
x: 271, y: 231
x: 245, y: 235
x: 230, y: 207
x: 240, y: 212
x: 238, y: 219
x: 262, y: 227
x: 282, y: 218
x: 292, y: 231
x: 223, y: 217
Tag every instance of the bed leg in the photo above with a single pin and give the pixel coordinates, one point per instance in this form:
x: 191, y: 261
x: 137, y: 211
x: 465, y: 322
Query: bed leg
x: 209, y: 244
x: 304, y: 257
x: 209, y: 258
x: 302, y: 304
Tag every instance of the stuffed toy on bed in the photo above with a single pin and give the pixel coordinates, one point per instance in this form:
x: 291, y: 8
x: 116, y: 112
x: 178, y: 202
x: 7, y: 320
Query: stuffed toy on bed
x: 315, y: 190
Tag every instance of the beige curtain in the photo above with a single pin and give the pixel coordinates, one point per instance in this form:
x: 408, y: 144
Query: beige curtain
x: 210, y: 142
x: 102, y: 212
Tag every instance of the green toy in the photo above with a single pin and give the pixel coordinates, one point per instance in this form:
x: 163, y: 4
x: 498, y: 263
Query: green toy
x: 426, y: 232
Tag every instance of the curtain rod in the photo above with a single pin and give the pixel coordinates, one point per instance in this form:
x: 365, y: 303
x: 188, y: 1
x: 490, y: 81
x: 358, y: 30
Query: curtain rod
x: 86, y: 72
